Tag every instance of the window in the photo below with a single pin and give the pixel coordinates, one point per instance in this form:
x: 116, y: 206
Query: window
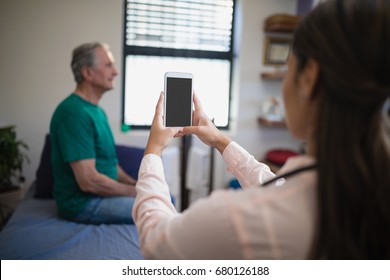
x: 181, y: 36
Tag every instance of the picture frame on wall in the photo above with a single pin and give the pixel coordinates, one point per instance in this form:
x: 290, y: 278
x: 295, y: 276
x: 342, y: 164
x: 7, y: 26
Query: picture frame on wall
x: 276, y: 50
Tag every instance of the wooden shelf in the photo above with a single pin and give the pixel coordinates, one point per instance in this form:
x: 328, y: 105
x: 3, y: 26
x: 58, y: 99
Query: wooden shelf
x: 273, y: 75
x: 281, y: 22
x: 264, y: 122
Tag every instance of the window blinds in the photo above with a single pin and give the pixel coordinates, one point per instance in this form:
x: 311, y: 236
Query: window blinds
x: 203, y: 25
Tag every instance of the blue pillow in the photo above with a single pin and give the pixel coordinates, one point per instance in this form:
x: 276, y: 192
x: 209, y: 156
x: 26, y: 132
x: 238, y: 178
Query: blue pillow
x: 44, y: 175
x: 129, y: 159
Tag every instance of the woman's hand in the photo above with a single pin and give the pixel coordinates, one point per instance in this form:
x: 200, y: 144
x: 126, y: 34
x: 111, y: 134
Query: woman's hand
x: 204, y: 128
x: 160, y: 136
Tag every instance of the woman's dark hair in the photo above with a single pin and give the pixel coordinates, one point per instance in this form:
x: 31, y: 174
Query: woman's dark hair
x: 350, y: 40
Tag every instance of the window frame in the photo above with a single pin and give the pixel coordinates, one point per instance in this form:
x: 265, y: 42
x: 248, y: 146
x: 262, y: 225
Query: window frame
x: 172, y: 52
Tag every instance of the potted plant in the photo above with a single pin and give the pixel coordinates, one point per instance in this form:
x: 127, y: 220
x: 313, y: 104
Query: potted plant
x: 12, y: 158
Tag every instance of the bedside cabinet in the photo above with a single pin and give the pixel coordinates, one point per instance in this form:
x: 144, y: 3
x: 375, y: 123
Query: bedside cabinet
x: 9, y: 200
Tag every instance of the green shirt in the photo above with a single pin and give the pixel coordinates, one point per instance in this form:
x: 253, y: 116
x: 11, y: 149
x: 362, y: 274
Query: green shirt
x: 79, y: 130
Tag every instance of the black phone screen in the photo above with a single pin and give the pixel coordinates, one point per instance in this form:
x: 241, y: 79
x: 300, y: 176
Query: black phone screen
x: 178, y: 109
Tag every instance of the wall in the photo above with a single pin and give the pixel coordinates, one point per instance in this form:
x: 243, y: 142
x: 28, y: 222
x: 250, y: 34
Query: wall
x: 36, y: 45
x: 37, y: 38
x: 253, y: 90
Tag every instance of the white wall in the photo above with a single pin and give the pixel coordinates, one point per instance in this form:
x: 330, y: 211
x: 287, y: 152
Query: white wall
x: 253, y: 90
x: 37, y: 38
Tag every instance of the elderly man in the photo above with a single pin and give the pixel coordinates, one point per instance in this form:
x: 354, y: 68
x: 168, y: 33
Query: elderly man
x: 90, y: 186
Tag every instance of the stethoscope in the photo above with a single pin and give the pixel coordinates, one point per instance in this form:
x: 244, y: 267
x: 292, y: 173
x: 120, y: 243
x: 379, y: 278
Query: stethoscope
x: 289, y: 174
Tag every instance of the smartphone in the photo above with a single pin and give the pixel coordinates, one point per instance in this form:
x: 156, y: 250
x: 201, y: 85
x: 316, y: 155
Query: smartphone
x: 178, y: 99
